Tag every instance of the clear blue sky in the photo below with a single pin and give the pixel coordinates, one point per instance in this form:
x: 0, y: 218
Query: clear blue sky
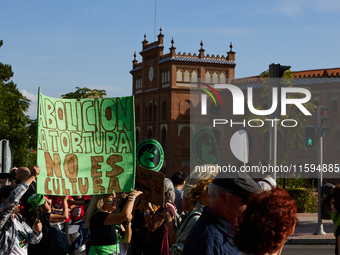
x: 59, y: 45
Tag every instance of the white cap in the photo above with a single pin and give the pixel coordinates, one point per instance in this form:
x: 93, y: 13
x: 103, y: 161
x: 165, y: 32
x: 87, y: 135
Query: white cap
x: 264, y: 186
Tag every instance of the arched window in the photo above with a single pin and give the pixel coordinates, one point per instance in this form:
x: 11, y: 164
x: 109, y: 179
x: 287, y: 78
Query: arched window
x: 155, y: 111
x: 184, y: 108
x: 186, y: 76
x: 222, y: 78
x: 179, y: 75
x: 208, y: 77
x: 149, y: 134
x: 146, y: 113
x: 215, y: 77
x: 194, y: 76
x: 150, y: 111
x: 335, y: 106
x: 164, y: 138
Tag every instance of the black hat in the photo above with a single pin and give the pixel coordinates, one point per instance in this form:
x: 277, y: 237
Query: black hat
x: 236, y: 182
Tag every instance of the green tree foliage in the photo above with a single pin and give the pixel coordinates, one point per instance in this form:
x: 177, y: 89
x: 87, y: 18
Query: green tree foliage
x: 13, y: 121
x: 85, y: 93
x: 292, y: 138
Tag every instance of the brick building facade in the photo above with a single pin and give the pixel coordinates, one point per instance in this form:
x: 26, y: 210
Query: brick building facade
x: 161, y: 86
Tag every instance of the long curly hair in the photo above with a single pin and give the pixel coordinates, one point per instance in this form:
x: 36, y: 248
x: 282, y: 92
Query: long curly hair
x: 266, y: 223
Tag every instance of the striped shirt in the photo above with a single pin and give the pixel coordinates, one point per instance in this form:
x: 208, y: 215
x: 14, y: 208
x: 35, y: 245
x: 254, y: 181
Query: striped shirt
x: 8, y: 237
x: 210, y: 236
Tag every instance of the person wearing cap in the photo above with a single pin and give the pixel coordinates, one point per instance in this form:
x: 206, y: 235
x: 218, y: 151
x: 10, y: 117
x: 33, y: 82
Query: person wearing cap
x: 213, y: 232
x: 267, y: 183
x: 15, y: 233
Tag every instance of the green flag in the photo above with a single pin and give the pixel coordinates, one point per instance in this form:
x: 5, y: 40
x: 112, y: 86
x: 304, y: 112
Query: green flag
x: 85, y: 146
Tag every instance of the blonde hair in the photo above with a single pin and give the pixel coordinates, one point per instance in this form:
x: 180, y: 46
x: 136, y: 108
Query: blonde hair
x: 96, y: 204
x: 198, y: 181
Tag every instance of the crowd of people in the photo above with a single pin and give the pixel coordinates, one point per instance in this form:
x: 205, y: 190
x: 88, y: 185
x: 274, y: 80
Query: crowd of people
x: 204, y: 213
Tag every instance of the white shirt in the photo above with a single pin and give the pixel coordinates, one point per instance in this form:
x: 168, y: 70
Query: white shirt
x: 21, y: 240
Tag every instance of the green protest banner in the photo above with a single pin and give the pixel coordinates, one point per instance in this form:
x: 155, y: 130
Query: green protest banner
x: 85, y: 146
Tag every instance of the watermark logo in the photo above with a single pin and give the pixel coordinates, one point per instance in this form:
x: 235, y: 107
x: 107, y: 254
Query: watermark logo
x: 239, y: 101
x: 204, y: 97
x: 204, y: 147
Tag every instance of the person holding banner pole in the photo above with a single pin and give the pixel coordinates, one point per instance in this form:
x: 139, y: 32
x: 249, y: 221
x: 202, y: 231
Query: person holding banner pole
x: 100, y: 220
x: 158, y: 231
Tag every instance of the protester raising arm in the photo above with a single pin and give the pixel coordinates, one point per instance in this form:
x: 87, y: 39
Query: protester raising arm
x: 154, y: 221
x: 11, y: 223
x: 158, y: 238
x: 101, y: 221
x: 57, y: 217
x: 126, y: 212
x: 127, y: 231
x: 11, y: 200
x: 171, y: 225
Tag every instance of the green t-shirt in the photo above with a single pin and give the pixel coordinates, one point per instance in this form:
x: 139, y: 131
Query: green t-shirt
x: 108, y: 249
x: 103, y: 250
x: 335, y: 216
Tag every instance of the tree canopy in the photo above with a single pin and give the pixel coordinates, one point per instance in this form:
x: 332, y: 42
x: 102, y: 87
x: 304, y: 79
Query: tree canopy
x: 85, y: 93
x: 14, y: 123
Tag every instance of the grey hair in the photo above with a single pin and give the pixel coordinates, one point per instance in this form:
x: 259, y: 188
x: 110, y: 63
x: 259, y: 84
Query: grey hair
x: 214, y: 191
x: 169, y: 190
